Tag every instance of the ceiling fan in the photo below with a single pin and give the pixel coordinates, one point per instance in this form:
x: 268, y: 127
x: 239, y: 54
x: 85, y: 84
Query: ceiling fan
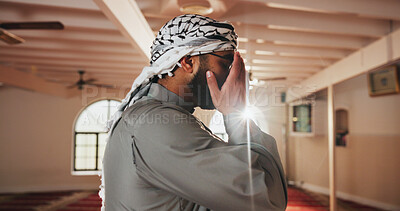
x: 261, y: 80
x: 89, y: 82
x: 11, y: 38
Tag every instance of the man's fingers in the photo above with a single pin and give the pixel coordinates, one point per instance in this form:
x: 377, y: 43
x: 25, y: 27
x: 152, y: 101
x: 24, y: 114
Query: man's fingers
x: 212, y: 85
x: 242, y: 74
x: 237, y: 68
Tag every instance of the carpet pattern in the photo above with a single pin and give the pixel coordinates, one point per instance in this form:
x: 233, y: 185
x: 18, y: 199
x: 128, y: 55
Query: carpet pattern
x: 89, y: 201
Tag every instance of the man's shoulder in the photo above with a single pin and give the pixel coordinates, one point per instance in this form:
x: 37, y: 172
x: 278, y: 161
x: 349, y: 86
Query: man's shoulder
x: 146, y: 108
x: 154, y: 120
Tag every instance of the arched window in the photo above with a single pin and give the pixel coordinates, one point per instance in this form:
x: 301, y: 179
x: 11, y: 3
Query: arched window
x: 90, y: 135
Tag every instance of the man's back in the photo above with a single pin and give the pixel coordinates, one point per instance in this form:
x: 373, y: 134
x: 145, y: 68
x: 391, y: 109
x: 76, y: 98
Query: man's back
x: 160, y: 157
x: 125, y: 188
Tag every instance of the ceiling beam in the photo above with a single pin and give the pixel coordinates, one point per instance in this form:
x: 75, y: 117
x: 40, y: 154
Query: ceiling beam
x: 284, y: 68
x: 277, y: 74
x: 128, y: 18
x: 69, y: 80
x: 387, y: 9
x: 74, y: 75
x: 268, y: 59
x: 13, y: 77
x: 111, y: 54
x: 71, y: 63
x: 43, y: 43
x: 82, y: 43
x: 66, y: 68
x: 260, y: 14
x: 293, y: 66
x: 87, y: 73
x: 292, y: 80
x: 285, y: 50
x: 72, y: 58
x: 69, y: 17
x: 312, y: 39
x: 58, y: 53
x: 75, y: 34
x: 378, y: 54
x: 267, y: 85
x: 286, y: 73
x: 71, y: 4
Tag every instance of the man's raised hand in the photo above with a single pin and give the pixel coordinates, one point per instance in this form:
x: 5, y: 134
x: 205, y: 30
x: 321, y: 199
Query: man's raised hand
x: 232, y: 96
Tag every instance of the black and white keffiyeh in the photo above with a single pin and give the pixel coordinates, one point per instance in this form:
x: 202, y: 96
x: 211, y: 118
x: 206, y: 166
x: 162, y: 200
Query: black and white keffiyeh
x: 185, y: 35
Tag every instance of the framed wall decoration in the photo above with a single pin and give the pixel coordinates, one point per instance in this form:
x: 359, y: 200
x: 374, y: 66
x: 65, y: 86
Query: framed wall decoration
x: 384, y: 81
x: 301, y: 116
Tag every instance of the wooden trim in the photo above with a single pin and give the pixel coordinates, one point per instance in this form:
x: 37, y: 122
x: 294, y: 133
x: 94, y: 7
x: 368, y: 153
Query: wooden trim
x: 128, y: 18
x: 331, y: 141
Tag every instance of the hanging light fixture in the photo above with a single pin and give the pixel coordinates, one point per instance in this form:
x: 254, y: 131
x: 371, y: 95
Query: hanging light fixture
x: 201, y: 7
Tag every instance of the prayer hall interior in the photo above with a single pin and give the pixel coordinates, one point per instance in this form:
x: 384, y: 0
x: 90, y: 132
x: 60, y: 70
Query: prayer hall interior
x: 323, y: 80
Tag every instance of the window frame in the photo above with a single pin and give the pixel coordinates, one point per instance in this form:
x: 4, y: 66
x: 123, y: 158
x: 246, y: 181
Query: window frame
x: 96, y: 171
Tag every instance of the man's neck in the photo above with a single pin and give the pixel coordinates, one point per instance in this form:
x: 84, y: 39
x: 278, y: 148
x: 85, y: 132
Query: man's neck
x: 182, y: 91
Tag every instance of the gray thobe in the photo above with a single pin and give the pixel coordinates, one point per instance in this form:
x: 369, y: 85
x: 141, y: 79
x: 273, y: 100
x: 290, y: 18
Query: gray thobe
x: 161, y: 157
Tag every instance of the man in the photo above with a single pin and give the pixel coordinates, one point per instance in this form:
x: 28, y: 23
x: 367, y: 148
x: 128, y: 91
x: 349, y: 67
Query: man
x: 160, y: 157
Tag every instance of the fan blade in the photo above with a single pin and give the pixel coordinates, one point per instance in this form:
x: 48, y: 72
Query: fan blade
x: 72, y: 86
x: 272, y: 79
x: 102, y: 85
x: 10, y: 38
x: 32, y: 25
x: 58, y: 81
x: 89, y: 81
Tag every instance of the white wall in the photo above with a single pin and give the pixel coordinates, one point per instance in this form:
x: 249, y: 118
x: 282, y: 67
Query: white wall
x: 367, y: 168
x: 36, y: 140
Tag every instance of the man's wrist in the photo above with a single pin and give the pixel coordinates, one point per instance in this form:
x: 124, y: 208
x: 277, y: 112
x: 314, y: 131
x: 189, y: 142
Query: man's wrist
x: 229, y: 111
x: 237, y: 126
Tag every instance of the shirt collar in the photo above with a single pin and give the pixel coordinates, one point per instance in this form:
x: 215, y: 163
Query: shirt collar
x: 157, y: 91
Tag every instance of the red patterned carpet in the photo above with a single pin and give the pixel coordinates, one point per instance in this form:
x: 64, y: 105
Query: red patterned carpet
x: 90, y: 201
x: 300, y: 200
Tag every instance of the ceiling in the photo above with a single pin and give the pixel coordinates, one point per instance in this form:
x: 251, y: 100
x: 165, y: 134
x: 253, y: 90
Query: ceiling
x: 278, y: 38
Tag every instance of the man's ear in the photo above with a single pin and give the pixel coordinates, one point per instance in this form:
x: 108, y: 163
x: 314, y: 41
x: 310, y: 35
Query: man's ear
x: 187, y: 64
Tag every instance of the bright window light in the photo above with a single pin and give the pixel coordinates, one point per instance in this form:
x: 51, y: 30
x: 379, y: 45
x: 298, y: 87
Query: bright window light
x: 250, y: 112
x: 253, y: 113
x: 247, y: 114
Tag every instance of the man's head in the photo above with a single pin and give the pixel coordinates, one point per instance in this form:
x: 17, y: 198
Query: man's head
x: 181, y: 41
x: 198, y: 44
x: 219, y: 63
